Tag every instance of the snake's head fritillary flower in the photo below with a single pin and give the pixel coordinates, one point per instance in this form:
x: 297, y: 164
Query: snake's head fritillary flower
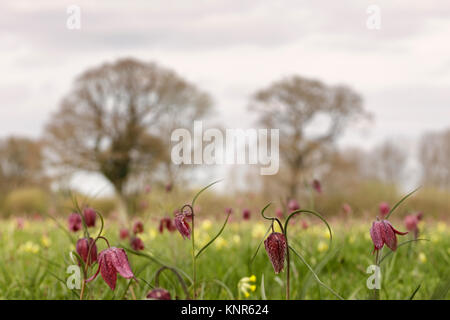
x: 148, y: 188
x: 20, y: 223
x: 305, y: 225
x: 75, y: 222
x: 279, y: 213
x: 246, y: 214
x: 228, y: 210
x: 124, y: 233
x: 166, y: 223
x: 293, y: 205
x: 182, y: 225
x: 168, y: 187
x: 89, y: 217
x: 110, y: 262
x: 317, y: 186
x: 384, y: 209
x: 137, y: 244
x: 138, y: 227
x: 87, y: 248
x: 159, y: 294
x: 382, y: 232
x: 412, y: 223
x: 346, y: 208
x: 420, y: 215
x: 275, y: 245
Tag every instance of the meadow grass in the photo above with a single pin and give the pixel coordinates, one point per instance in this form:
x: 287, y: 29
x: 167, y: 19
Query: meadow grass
x: 35, y: 259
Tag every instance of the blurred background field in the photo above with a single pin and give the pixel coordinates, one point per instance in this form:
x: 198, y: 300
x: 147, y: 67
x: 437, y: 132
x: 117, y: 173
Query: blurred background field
x: 87, y: 115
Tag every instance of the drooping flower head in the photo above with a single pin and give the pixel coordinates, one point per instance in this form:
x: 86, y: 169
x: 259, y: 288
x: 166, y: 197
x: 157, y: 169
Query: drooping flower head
x: 89, y: 217
x: 346, y: 208
x: 110, y: 262
x: 317, y: 186
x: 75, y: 222
x: 275, y: 245
x: 20, y: 223
x: 182, y: 225
x: 137, y: 243
x: 159, y: 294
x: 246, y: 214
x: 228, y: 210
x: 412, y: 223
x: 293, y: 205
x: 168, y: 187
x: 384, y: 209
x: 382, y: 232
x: 124, y: 233
x: 82, y: 248
x: 138, y: 227
x: 166, y: 223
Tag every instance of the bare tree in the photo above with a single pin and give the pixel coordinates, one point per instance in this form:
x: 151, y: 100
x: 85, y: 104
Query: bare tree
x: 117, y: 118
x: 435, y: 159
x: 21, y: 164
x: 388, y: 162
x: 294, y: 104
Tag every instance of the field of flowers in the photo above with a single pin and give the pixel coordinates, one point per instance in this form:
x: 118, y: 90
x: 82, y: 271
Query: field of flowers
x: 39, y: 259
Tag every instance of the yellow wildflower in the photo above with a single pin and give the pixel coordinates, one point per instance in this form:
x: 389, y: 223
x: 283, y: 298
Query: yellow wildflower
x: 46, y: 242
x: 322, y: 246
x: 29, y: 247
x: 244, y: 285
x: 220, y: 243
x: 258, y: 231
x: 441, y: 227
x: 206, y: 225
x: 422, y: 257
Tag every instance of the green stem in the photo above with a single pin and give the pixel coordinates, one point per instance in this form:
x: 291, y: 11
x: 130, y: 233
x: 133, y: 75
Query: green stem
x: 194, y: 259
x: 288, y: 267
x: 376, y: 292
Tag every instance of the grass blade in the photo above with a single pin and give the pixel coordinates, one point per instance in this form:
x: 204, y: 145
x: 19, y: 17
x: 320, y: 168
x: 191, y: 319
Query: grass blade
x: 315, y: 275
x: 213, y: 239
x: 200, y: 192
x: 399, y: 202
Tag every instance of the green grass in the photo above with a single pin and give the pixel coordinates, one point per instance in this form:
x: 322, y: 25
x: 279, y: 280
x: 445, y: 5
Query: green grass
x: 33, y: 269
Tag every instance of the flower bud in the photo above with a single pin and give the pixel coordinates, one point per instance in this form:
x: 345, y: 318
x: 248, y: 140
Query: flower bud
x: 138, y: 227
x: 159, y: 294
x: 89, y: 217
x: 317, y: 186
x: 182, y: 226
x: 384, y: 209
x: 75, y: 222
x: 137, y: 244
x: 293, y: 205
x: 123, y: 233
x: 246, y: 214
x: 82, y: 248
x: 275, y: 245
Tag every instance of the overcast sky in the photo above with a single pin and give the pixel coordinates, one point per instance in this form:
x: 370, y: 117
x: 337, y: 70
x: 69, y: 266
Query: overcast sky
x: 232, y: 48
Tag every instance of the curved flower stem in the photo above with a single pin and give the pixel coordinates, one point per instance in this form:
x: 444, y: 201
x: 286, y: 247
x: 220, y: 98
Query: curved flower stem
x: 132, y: 292
x: 376, y: 292
x: 286, y: 223
x: 194, y: 259
x: 288, y: 259
x: 180, y: 279
x: 82, y: 290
